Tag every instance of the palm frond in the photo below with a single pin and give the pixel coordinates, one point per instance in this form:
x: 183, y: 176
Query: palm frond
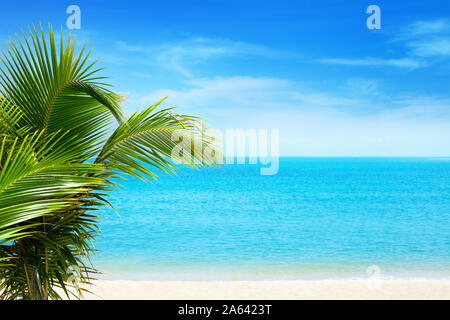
x: 45, y: 200
x: 57, y: 89
x: 59, y: 161
x: 9, y: 118
x: 151, y: 139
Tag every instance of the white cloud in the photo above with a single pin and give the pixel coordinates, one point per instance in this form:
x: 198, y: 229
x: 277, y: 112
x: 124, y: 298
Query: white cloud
x: 424, y: 39
x: 315, y: 123
x: 248, y: 93
x: 431, y: 48
x: 204, y: 48
x: 426, y: 27
x: 181, y: 55
x: 141, y: 75
x: 428, y: 39
x: 361, y: 86
x: 407, y: 63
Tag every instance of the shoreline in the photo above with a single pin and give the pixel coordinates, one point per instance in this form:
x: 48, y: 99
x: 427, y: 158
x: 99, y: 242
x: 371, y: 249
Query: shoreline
x: 269, y: 290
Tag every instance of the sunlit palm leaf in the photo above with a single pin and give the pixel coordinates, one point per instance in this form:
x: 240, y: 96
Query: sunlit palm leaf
x: 58, y: 164
x: 44, y: 205
x: 150, y: 137
x: 9, y: 118
x: 57, y: 89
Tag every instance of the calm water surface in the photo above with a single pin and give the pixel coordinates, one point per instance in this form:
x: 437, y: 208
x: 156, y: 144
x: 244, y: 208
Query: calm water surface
x: 317, y: 218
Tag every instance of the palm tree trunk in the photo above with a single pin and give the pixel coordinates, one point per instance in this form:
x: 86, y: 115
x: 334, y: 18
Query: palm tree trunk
x: 46, y: 265
x: 36, y: 290
x: 23, y: 256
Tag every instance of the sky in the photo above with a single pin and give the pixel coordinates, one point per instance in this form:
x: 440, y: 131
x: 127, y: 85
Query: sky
x: 312, y: 69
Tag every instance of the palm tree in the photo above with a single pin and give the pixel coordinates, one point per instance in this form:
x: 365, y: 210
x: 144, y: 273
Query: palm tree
x: 64, y: 144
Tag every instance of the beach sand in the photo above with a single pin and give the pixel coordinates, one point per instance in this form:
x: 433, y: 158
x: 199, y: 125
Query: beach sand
x: 270, y: 290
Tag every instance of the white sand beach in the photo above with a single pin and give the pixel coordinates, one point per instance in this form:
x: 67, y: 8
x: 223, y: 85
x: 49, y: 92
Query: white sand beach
x: 270, y: 290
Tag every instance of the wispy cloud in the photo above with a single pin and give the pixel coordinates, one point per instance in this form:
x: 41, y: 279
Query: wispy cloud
x: 426, y: 27
x: 422, y: 40
x: 317, y: 122
x: 142, y: 75
x: 204, y: 48
x: 181, y: 55
x: 407, y: 63
x: 427, y: 39
x: 437, y: 47
x: 362, y: 86
x: 249, y: 93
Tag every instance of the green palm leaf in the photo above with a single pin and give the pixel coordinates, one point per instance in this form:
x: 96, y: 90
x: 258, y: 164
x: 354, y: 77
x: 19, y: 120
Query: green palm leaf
x: 57, y: 90
x: 63, y: 144
x: 46, y: 197
x: 148, y: 139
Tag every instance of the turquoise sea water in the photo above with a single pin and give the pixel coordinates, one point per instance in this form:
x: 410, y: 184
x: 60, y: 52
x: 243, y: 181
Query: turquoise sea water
x: 317, y: 218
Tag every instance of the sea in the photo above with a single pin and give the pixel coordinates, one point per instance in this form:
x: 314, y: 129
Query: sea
x: 317, y: 218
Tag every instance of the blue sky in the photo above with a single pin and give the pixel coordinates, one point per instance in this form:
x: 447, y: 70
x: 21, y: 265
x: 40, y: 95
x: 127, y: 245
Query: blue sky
x: 312, y: 69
